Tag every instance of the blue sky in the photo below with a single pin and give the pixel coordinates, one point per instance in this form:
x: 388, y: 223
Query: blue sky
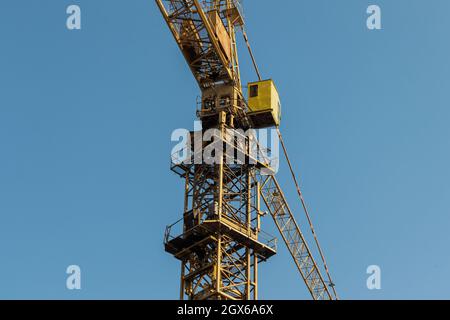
x: 85, y: 124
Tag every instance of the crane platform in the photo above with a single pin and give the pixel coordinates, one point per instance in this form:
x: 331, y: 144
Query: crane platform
x: 179, y: 246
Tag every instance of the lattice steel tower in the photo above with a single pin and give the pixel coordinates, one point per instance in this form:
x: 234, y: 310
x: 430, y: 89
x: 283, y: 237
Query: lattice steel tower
x: 219, y: 240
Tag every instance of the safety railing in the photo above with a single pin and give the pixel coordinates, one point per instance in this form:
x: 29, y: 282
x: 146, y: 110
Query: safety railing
x: 178, y: 229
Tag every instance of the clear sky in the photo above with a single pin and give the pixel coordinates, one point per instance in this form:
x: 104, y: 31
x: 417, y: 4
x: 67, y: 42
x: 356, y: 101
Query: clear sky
x: 85, y: 124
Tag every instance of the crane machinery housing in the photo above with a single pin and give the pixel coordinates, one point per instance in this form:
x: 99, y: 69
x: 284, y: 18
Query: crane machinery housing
x: 219, y: 240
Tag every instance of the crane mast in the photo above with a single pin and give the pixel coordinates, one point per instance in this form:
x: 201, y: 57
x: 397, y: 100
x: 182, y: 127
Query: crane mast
x: 219, y: 239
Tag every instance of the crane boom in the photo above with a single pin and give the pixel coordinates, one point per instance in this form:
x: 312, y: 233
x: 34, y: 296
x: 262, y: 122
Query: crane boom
x: 281, y: 213
x: 197, y: 40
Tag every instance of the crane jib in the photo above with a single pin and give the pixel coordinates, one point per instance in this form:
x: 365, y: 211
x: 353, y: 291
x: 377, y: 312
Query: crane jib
x: 199, y: 40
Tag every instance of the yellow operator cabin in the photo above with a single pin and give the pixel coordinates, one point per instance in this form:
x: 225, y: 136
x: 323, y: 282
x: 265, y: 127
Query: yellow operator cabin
x: 264, y: 104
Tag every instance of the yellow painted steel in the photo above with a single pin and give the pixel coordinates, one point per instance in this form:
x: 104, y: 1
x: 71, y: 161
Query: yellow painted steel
x: 263, y: 98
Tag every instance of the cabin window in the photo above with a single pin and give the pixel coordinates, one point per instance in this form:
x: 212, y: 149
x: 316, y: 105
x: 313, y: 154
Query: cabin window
x: 253, y: 91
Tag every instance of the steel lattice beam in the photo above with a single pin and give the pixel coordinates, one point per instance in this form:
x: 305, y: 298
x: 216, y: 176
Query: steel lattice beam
x: 278, y: 207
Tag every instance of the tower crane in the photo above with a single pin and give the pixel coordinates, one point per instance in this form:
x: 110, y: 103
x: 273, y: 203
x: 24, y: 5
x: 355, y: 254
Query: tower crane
x: 219, y: 239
